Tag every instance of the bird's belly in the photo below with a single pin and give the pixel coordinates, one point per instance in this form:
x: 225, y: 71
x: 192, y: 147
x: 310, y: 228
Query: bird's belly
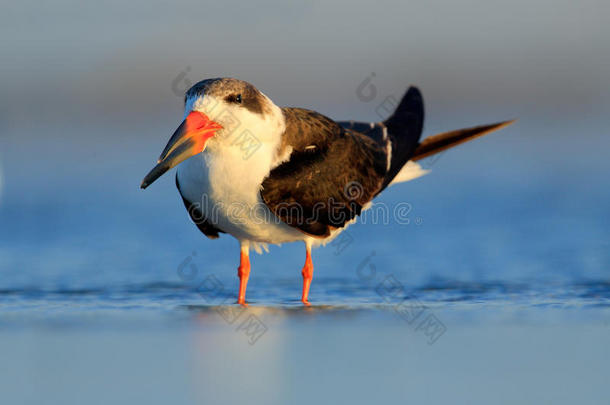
x: 229, y: 199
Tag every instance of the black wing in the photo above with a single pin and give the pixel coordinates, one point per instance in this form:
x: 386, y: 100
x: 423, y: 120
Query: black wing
x: 403, y: 129
x: 198, y: 218
x: 331, y: 173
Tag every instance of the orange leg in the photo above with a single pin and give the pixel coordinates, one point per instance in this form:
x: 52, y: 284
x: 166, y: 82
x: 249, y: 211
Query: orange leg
x: 243, y: 272
x: 307, y: 273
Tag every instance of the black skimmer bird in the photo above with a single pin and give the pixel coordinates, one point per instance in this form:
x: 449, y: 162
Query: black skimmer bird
x: 270, y: 175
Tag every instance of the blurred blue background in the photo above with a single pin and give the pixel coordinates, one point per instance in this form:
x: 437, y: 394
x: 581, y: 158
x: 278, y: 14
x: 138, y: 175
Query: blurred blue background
x: 508, y: 239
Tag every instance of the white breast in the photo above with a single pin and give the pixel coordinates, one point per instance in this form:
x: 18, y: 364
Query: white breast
x: 227, y: 187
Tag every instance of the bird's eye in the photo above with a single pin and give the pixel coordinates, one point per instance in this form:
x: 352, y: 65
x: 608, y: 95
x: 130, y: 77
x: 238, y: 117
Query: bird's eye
x: 234, y: 98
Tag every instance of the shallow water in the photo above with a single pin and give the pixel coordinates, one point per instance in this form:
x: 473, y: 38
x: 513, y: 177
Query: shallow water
x: 494, y: 287
x: 124, y: 354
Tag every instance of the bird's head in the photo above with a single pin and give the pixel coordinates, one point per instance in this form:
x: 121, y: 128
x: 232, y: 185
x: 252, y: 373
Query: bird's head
x: 218, y: 114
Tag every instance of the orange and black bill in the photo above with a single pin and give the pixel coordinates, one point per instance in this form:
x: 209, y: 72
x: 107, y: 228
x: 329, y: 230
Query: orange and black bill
x: 188, y: 140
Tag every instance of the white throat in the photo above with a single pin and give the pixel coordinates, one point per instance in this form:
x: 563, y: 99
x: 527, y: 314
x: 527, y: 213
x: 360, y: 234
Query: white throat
x: 227, y: 176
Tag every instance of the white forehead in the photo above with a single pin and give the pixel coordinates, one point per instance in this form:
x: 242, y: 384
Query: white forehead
x: 201, y: 102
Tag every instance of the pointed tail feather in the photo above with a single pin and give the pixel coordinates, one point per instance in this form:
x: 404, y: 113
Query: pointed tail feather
x: 446, y: 140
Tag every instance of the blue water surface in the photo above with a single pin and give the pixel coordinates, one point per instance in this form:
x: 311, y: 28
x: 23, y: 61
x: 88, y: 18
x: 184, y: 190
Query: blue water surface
x: 499, y: 270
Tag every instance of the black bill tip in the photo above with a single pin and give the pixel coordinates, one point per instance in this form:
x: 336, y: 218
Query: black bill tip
x: 177, y: 155
x: 155, y: 173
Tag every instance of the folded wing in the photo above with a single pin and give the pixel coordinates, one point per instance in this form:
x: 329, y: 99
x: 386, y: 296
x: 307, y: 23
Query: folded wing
x: 331, y: 174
